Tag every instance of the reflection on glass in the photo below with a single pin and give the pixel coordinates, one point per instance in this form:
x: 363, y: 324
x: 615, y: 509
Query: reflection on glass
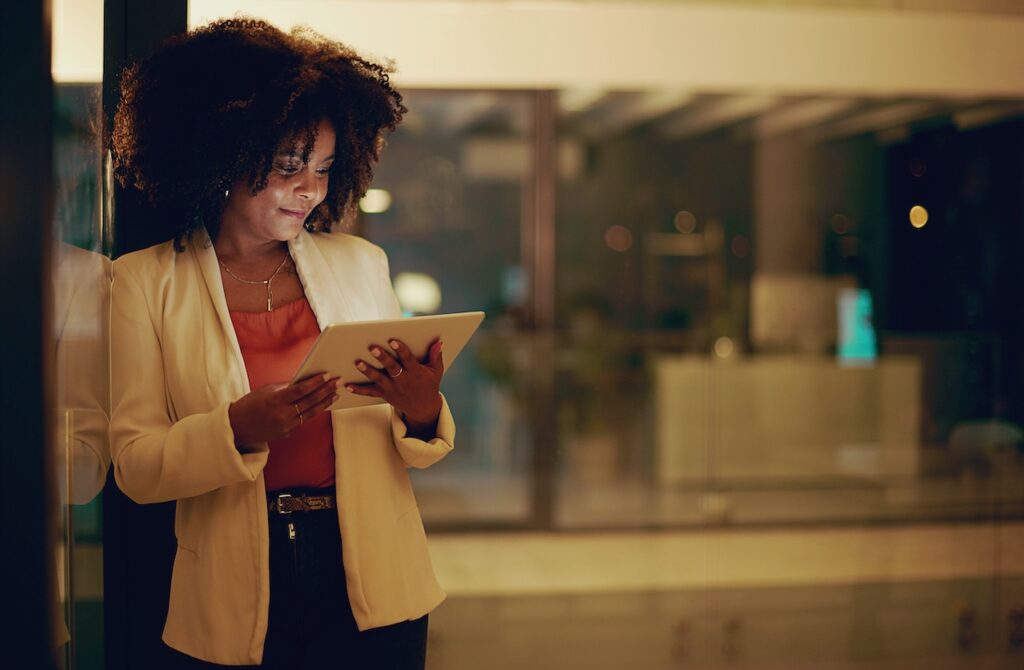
x: 81, y: 289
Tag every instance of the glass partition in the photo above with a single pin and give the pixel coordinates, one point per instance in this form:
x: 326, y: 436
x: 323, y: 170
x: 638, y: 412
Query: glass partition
x: 787, y: 323
x: 80, y: 281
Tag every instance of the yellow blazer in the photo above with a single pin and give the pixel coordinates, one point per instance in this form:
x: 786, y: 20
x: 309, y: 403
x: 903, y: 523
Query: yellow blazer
x: 176, y: 366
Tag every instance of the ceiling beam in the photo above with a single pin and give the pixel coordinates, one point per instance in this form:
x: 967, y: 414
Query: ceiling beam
x: 633, y: 109
x: 801, y: 115
x: 716, y: 114
x: 883, y: 118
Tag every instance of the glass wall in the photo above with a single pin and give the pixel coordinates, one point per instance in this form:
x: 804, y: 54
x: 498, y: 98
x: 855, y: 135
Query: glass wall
x: 808, y: 304
x: 788, y: 323
x: 80, y: 283
x: 81, y: 303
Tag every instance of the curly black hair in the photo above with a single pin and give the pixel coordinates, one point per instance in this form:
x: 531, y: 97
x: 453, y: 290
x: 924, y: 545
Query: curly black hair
x: 211, y: 107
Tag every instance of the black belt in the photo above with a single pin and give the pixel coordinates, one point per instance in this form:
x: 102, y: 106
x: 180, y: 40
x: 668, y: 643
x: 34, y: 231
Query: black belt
x: 286, y: 503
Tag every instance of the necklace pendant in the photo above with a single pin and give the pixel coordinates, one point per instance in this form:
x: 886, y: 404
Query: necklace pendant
x: 269, y: 282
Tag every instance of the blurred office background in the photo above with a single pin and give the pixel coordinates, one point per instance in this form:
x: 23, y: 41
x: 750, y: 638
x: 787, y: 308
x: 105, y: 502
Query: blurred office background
x: 751, y: 384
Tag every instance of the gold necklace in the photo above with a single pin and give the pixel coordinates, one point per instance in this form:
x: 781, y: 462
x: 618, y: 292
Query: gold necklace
x: 268, y: 282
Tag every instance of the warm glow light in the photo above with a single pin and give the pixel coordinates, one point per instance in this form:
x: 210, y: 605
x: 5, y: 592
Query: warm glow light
x: 918, y: 216
x: 724, y: 347
x: 76, y: 44
x: 417, y: 292
x: 618, y: 238
x: 375, y: 201
x: 685, y: 222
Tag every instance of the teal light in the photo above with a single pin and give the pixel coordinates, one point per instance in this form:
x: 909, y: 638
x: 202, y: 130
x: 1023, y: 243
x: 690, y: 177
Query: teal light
x: 856, y: 329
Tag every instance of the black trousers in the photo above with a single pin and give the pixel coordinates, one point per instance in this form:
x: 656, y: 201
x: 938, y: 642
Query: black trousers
x: 311, y: 626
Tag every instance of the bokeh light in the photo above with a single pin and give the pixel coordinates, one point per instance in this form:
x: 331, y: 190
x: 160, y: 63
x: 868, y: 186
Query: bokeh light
x: 724, y: 347
x: 685, y: 222
x: 918, y: 216
x: 740, y: 246
x: 618, y: 238
x: 417, y: 293
x: 375, y: 201
x: 840, y: 224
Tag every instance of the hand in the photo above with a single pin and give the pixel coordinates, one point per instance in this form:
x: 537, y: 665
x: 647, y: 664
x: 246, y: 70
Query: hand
x: 274, y: 410
x: 411, y: 386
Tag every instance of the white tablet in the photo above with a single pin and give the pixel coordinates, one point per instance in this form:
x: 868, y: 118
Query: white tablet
x: 340, y: 344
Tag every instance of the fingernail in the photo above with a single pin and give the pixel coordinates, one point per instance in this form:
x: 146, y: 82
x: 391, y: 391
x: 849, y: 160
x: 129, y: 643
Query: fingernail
x: 325, y: 376
x: 440, y: 346
x: 394, y: 344
x: 376, y: 352
x: 361, y: 365
x: 350, y: 388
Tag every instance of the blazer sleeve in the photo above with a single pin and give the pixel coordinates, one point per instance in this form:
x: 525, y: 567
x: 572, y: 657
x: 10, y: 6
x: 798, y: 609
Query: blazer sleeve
x: 415, y: 452
x: 84, y: 391
x: 156, y: 459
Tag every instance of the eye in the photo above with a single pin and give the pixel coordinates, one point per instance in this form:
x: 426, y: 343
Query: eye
x: 287, y: 169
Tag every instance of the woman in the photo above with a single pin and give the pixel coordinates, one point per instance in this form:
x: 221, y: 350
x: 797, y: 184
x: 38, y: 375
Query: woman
x: 299, y: 541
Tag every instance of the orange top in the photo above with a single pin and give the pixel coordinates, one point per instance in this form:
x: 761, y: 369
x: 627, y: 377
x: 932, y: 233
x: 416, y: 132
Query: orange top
x: 273, y: 346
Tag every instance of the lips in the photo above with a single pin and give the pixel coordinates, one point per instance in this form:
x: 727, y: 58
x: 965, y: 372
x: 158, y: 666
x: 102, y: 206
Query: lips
x: 296, y: 213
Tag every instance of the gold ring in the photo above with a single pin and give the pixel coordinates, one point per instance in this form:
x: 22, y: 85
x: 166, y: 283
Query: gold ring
x: 299, y: 413
x: 400, y: 371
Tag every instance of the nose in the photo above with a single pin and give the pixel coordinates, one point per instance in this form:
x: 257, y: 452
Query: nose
x: 307, y: 186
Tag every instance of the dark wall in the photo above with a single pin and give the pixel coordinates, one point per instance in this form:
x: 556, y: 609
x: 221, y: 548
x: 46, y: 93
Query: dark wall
x: 138, y: 540
x: 28, y: 515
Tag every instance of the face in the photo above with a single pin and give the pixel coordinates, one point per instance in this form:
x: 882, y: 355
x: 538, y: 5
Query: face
x: 293, y: 190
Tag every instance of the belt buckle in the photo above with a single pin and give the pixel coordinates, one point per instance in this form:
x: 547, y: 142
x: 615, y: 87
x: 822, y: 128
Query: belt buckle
x: 278, y: 503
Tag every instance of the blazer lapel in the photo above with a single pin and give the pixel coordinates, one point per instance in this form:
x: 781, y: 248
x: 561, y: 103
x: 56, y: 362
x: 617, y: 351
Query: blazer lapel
x: 206, y: 259
x: 329, y: 302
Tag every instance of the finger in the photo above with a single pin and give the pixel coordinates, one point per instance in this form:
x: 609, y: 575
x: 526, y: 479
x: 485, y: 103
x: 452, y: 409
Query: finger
x: 321, y: 392
x: 304, y: 387
x: 311, y: 405
x: 435, y: 359
x: 323, y: 404
x: 389, y: 362
x: 315, y: 394
x: 292, y: 417
x: 365, y: 389
x: 403, y: 352
x: 373, y: 374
